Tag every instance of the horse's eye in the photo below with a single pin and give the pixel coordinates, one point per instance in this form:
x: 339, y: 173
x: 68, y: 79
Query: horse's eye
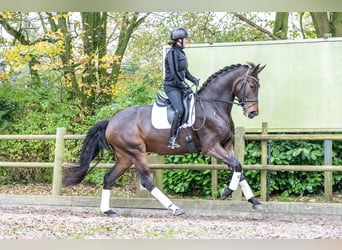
x: 252, y: 86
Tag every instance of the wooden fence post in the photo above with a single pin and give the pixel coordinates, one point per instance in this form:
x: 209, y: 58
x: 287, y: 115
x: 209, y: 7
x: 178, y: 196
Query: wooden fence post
x: 214, y: 184
x: 239, y: 149
x: 263, y: 173
x: 59, y: 159
x: 328, y: 174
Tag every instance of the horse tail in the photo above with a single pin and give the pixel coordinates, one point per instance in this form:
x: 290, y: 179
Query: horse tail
x: 94, y: 144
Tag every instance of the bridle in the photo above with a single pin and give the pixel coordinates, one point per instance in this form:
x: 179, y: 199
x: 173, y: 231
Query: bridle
x: 241, y: 102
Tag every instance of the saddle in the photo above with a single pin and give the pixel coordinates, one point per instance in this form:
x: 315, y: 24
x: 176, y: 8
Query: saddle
x: 163, y: 101
x: 163, y: 111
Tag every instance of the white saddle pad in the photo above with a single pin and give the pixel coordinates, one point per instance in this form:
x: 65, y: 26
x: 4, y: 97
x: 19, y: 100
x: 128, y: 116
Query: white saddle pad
x: 159, y: 116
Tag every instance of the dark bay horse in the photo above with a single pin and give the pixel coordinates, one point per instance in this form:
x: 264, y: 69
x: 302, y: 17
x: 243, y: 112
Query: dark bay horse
x: 130, y: 135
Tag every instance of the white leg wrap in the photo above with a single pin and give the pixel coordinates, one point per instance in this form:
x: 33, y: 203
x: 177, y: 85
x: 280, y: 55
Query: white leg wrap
x: 234, y: 183
x: 166, y: 202
x: 105, y: 200
x: 246, y: 190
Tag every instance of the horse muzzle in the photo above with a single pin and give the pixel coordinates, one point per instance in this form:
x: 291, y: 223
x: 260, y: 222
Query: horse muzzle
x: 251, y: 114
x: 251, y: 111
x: 250, y: 107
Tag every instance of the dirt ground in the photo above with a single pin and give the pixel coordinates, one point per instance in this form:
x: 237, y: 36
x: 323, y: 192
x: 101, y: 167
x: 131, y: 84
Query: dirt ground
x: 42, y: 222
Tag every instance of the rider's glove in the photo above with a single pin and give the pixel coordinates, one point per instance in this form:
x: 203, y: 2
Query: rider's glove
x: 196, y: 82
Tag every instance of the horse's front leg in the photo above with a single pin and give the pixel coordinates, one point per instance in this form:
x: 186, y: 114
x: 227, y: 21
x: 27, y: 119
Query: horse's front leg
x: 227, y: 156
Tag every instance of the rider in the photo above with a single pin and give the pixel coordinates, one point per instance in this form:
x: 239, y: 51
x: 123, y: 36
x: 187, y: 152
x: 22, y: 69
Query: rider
x: 176, y: 70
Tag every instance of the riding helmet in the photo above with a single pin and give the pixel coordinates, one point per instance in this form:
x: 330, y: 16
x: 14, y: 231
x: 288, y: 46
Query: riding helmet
x: 179, y: 33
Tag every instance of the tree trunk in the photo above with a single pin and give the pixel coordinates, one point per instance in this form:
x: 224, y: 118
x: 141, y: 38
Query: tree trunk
x: 321, y: 23
x: 35, y: 79
x: 281, y: 25
x: 336, y: 21
x: 128, y: 26
x: 89, y: 37
x: 67, y: 55
x: 94, y: 26
x: 327, y: 23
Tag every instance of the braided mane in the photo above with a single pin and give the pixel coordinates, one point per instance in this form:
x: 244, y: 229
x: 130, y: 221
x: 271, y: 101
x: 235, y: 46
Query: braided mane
x: 224, y: 70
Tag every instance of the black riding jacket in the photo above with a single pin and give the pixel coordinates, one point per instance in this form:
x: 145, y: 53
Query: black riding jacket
x: 176, y: 68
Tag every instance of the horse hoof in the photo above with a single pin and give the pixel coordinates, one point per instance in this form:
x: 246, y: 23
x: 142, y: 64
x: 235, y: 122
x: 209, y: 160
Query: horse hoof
x: 225, y: 193
x: 258, y: 207
x: 178, y: 211
x: 110, y: 213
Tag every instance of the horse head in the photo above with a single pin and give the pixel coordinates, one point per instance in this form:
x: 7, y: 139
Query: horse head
x: 247, y: 89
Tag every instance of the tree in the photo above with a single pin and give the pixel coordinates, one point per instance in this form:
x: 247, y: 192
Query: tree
x: 86, y: 51
x: 20, y: 32
x: 281, y: 24
x: 99, y: 69
x: 87, y: 67
x: 336, y: 20
x: 325, y: 22
x: 273, y: 35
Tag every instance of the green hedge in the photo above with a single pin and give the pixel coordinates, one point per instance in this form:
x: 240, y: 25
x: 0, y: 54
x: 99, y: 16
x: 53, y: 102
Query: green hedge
x: 284, y: 183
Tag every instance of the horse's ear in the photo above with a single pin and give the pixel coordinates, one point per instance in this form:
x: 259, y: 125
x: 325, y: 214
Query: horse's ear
x: 257, y: 69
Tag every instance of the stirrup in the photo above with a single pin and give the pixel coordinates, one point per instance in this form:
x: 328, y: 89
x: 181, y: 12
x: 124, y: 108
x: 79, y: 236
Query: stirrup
x: 173, y: 143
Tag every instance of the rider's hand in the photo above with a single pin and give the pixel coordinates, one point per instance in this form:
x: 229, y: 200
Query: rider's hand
x: 196, y: 82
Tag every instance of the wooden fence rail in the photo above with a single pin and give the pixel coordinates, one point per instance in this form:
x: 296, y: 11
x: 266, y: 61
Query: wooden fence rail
x: 240, y: 137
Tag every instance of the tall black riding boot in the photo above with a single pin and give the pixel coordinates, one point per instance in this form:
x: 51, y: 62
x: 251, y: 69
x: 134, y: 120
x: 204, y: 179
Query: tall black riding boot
x: 174, y: 131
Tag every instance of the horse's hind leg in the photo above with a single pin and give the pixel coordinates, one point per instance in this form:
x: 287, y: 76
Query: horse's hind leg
x: 147, y: 182
x: 116, y: 171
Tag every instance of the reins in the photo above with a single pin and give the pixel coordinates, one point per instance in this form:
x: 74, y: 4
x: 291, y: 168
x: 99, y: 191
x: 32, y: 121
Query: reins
x: 217, y: 100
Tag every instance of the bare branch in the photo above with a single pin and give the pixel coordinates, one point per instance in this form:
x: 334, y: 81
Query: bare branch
x: 17, y: 34
x: 261, y: 29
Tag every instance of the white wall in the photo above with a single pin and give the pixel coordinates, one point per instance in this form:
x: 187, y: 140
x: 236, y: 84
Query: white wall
x: 301, y: 86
